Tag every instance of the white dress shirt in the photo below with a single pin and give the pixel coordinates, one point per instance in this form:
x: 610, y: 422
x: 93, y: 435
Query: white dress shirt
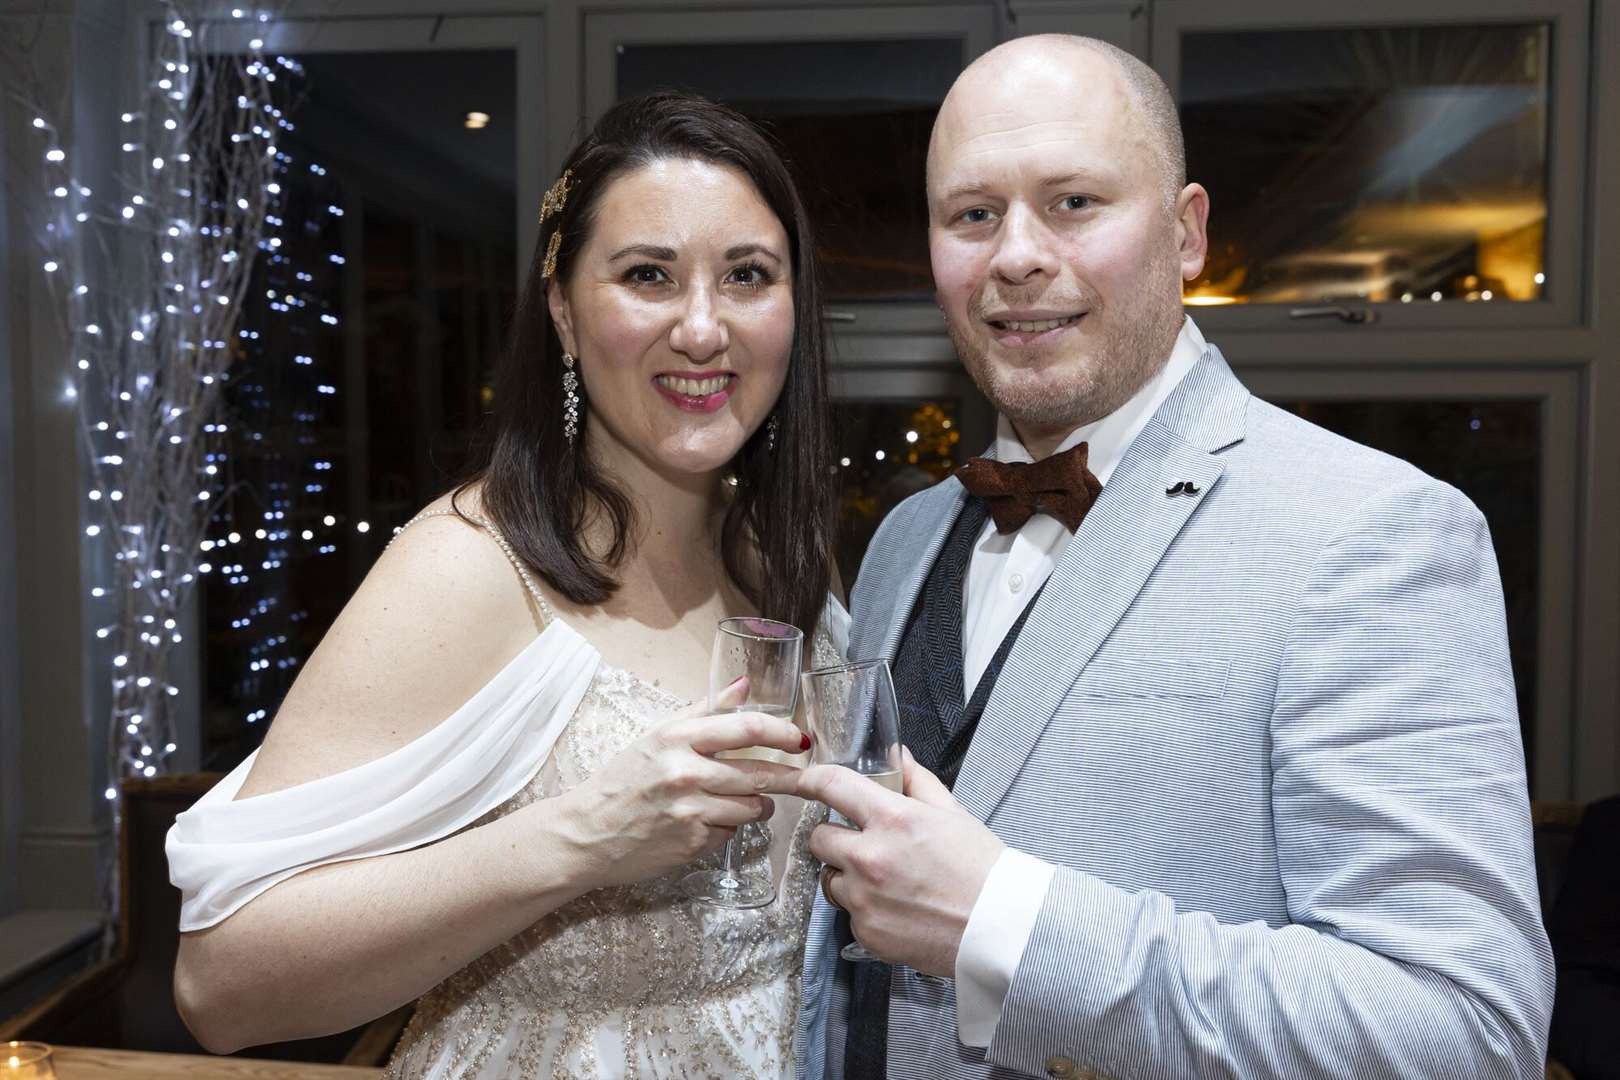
x: 1004, y: 573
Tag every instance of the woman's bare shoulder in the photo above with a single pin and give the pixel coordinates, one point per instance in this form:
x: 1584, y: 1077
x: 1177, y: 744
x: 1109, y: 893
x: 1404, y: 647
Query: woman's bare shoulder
x: 441, y: 612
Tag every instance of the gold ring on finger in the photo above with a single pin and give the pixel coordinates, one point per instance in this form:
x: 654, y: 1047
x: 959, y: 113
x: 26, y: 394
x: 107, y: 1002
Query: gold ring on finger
x: 827, y: 873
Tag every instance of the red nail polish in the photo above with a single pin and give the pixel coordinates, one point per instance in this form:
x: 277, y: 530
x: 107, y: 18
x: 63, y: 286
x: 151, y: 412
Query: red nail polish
x: 804, y: 743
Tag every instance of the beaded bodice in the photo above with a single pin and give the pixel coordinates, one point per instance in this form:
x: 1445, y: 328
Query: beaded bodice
x: 631, y: 980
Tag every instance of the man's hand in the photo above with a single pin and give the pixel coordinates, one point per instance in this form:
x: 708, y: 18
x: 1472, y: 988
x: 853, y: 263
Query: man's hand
x: 911, y: 874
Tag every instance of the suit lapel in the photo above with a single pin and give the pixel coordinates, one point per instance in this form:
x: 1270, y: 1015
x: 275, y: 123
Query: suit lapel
x: 900, y: 579
x: 1110, y: 559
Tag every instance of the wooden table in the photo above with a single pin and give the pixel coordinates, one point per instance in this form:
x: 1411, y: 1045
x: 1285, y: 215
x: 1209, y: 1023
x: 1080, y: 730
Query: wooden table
x: 87, y: 1063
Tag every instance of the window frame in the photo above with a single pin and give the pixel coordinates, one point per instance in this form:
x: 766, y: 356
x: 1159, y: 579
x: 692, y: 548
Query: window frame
x: 11, y: 625
x: 1568, y: 88
x: 1118, y: 22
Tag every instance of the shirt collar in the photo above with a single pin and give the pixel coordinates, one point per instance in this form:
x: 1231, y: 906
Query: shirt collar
x: 1111, y: 436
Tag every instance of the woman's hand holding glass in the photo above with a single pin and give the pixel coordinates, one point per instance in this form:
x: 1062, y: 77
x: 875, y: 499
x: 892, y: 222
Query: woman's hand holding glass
x: 763, y: 657
x: 666, y: 799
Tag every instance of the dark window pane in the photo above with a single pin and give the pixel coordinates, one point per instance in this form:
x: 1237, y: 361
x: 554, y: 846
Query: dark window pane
x: 888, y: 450
x: 1491, y: 452
x: 852, y: 118
x: 1375, y: 164
x: 372, y: 330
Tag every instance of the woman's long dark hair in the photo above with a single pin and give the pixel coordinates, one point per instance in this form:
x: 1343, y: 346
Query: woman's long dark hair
x: 541, y: 492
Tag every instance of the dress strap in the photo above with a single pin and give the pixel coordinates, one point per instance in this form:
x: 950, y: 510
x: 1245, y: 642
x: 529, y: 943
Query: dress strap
x: 546, y: 614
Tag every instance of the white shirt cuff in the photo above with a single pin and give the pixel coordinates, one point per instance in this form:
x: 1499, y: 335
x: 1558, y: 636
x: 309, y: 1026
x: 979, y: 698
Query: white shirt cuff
x: 992, y: 945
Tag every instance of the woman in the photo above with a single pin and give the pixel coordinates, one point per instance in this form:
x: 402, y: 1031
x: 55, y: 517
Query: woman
x: 659, y: 463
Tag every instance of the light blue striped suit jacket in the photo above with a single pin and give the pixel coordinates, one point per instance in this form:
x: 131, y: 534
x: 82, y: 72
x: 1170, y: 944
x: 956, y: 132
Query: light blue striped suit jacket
x: 1268, y: 734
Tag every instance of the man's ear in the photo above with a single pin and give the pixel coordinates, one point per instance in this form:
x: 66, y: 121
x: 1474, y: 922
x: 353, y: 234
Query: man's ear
x: 562, y: 316
x: 1192, y: 229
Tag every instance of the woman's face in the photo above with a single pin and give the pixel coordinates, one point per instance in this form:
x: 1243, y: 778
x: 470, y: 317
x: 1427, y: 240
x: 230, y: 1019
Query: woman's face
x: 679, y: 308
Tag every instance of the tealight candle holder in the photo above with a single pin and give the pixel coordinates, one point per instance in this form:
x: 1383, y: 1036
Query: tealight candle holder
x: 26, y: 1061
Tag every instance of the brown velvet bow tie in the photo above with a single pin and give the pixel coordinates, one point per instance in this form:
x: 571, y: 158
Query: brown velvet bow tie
x: 1061, y: 485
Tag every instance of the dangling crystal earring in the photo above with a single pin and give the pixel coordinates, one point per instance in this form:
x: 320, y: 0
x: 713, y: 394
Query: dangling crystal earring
x: 570, y: 400
x: 770, y: 434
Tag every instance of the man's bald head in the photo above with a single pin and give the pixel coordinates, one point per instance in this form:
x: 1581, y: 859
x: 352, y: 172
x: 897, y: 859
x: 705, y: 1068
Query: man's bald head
x: 1060, y: 229
x: 1065, y: 63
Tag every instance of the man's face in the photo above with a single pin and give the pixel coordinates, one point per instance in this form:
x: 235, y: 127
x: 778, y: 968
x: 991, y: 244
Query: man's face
x: 1056, y: 259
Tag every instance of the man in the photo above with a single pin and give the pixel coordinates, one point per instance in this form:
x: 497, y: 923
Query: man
x: 1229, y: 781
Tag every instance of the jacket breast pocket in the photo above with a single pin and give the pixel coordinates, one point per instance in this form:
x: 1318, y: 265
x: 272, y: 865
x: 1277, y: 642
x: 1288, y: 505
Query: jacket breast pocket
x: 1154, y: 677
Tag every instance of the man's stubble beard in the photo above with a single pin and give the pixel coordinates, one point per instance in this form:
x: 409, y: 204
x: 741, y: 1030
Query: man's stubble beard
x: 1070, y: 392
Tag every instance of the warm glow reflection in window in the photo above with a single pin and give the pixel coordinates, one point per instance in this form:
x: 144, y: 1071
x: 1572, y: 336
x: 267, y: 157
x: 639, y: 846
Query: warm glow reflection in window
x: 1380, y: 166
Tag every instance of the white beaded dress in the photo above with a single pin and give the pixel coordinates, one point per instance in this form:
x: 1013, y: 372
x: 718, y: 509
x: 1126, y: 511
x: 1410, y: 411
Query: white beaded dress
x: 627, y: 981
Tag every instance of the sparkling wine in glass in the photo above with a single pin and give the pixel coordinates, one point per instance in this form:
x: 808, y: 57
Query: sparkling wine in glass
x: 768, y: 653
x: 855, y: 722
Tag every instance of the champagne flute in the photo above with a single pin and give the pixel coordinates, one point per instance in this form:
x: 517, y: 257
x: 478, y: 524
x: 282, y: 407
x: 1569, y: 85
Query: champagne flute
x: 855, y: 722
x: 768, y: 653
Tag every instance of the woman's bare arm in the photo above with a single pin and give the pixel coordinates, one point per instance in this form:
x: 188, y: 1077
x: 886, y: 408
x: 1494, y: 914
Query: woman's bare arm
x: 439, y: 614
x: 339, y: 945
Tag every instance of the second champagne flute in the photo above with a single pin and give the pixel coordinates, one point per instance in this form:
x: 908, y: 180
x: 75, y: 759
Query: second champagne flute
x: 769, y: 654
x: 855, y: 722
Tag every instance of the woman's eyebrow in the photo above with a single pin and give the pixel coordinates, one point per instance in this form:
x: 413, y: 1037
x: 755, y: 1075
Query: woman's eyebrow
x: 646, y: 251
x: 742, y: 251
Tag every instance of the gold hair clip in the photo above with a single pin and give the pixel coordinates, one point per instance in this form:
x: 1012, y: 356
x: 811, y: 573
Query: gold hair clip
x: 552, y: 245
x: 553, y: 202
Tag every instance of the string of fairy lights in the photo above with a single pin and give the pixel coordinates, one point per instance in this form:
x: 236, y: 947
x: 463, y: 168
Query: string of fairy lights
x: 277, y: 461
x: 153, y: 289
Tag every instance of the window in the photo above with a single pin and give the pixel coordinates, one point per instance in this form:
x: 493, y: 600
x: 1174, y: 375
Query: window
x: 850, y: 96
x: 369, y: 338
x: 1411, y: 161
x: 1417, y: 167
x: 853, y: 124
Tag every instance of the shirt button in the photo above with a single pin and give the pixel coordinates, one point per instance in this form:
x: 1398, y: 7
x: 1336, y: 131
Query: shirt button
x: 1060, y: 1068
x: 1016, y: 583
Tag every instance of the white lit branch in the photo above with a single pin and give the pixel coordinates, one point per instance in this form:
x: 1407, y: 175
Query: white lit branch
x: 150, y: 281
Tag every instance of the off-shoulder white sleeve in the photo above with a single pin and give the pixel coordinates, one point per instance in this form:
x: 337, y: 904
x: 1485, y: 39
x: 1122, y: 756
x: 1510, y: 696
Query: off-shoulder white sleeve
x: 223, y: 852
